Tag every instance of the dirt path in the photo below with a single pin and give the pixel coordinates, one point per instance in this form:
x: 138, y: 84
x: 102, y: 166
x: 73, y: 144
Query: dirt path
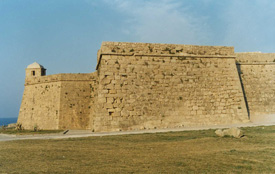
x: 88, y: 133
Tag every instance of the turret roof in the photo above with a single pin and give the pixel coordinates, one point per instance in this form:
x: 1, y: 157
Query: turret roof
x: 35, y: 65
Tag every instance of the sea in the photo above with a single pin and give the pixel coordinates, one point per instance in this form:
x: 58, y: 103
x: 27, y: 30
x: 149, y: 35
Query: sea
x: 6, y: 121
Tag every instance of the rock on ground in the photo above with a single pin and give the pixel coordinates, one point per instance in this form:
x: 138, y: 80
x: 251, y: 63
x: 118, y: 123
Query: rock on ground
x: 233, y: 132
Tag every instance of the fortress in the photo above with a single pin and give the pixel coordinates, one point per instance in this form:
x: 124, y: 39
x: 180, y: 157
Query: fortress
x: 147, y: 86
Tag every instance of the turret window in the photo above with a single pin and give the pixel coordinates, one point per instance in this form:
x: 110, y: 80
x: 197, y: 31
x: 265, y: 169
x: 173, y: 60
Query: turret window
x: 43, y: 72
x: 33, y: 73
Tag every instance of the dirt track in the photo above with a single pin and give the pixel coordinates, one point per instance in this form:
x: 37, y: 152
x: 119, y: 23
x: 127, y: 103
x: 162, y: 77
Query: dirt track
x: 89, y: 133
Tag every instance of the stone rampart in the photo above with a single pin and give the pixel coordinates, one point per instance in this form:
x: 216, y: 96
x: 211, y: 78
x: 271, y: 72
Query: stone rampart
x: 57, y: 101
x: 150, y: 48
x: 257, y: 71
x: 160, y: 50
x: 58, y: 78
x: 147, y: 86
x: 161, y: 85
x: 40, y: 106
x: 77, y: 100
x: 255, y: 57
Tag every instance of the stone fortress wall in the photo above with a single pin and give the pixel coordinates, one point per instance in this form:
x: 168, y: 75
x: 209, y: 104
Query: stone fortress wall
x: 59, y: 101
x: 145, y: 86
x: 161, y: 85
x: 257, y: 71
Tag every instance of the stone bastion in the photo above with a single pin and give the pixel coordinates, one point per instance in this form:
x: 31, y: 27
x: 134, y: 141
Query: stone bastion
x: 148, y: 86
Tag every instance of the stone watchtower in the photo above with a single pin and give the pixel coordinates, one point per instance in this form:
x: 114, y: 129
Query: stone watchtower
x: 35, y: 70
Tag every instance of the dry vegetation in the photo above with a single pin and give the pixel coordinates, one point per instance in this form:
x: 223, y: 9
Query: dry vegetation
x: 26, y: 132
x: 178, y: 152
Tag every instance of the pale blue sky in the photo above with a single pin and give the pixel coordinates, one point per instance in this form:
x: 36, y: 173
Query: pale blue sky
x: 64, y: 35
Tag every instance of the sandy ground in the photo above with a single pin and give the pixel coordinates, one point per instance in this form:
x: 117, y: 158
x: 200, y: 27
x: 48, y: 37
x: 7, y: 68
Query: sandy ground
x: 267, y: 120
x: 261, y: 121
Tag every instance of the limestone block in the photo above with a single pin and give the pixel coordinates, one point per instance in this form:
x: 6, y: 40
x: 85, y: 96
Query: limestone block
x: 132, y: 113
x: 125, y: 112
x: 112, y: 91
x: 116, y: 114
x: 108, y: 105
x: 111, y: 110
x: 106, y: 81
x: 104, y: 91
x: 199, y: 112
x: 195, y: 108
x: 234, y: 132
x: 110, y: 100
x: 108, y: 73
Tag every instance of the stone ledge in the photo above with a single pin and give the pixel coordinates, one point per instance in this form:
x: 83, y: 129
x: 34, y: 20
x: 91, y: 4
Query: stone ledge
x: 168, y: 55
x: 60, y: 78
x: 162, y: 55
x: 53, y: 81
x: 256, y: 63
x: 157, y: 48
x: 255, y: 57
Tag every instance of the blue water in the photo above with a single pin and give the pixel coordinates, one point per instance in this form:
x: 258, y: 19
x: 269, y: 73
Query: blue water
x: 6, y: 121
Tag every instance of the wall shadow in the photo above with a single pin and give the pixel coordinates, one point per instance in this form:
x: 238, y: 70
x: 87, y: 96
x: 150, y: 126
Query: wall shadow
x: 240, y: 77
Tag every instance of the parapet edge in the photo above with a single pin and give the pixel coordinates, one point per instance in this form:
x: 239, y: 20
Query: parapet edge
x: 255, y: 58
x: 61, y: 77
x: 159, y: 49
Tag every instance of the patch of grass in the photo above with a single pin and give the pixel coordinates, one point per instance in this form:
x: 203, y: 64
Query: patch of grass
x: 171, y: 152
x: 27, y: 132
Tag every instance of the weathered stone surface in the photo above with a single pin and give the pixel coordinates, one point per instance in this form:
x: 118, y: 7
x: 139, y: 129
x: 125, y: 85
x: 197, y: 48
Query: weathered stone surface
x: 232, y: 132
x: 62, y: 101
x: 175, y: 90
x: 219, y: 132
x: 140, y: 85
x: 257, y: 71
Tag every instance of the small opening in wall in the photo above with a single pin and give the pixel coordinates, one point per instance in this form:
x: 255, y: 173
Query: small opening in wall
x: 43, y: 73
x: 33, y: 73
